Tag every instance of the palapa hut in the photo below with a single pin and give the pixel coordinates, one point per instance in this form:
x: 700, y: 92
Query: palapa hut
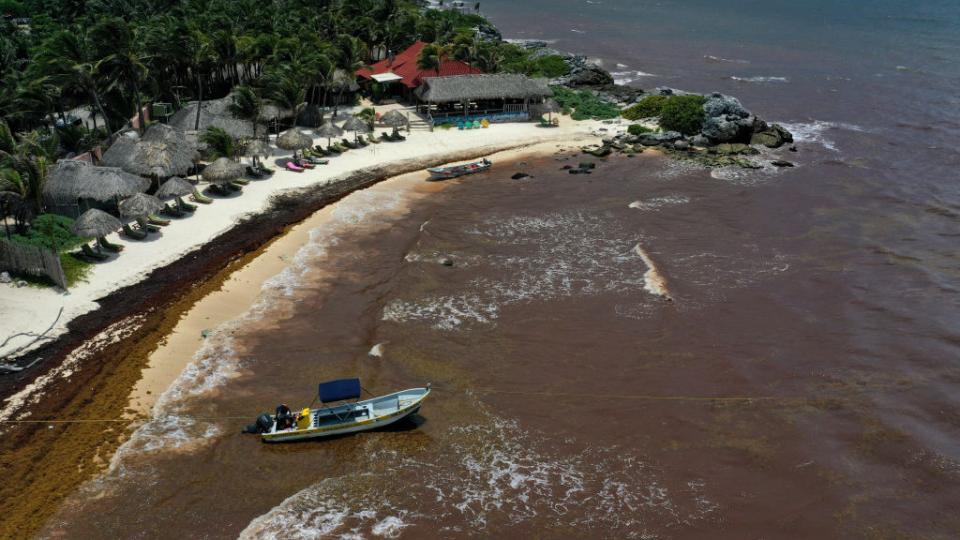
x: 502, y: 97
x: 214, y: 113
x: 74, y: 186
x: 161, y: 152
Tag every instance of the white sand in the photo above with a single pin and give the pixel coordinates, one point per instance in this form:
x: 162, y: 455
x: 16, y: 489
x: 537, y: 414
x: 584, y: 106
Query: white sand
x: 33, y: 310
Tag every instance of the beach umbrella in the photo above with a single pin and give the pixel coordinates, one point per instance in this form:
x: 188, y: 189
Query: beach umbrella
x: 294, y: 139
x: 394, y: 119
x: 258, y: 147
x: 222, y: 171
x: 356, y: 125
x: 548, y: 107
x: 328, y: 130
x: 70, y: 180
x: 140, y: 205
x: 174, y: 187
x: 95, y: 223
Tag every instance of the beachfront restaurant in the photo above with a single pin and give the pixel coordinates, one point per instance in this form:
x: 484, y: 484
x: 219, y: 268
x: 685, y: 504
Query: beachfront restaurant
x: 496, y: 98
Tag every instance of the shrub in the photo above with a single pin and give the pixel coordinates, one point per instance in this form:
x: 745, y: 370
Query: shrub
x: 550, y: 66
x: 50, y: 231
x: 584, y: 104
x: 637, y: 129
x: 684, y: 114
x: 647, y: 107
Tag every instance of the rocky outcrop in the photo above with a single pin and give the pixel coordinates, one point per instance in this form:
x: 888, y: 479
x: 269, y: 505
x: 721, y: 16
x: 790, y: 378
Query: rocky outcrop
x: 585, y: 75
x: 726, y: 120
x: 774, y: 136
x: 656, y: 139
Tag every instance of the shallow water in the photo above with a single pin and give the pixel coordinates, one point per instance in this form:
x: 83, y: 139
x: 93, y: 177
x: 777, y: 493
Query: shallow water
x: 654, y: 350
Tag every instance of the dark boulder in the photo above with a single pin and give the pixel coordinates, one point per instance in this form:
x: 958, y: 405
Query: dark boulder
x: 781, y: 163
x: 681, y: 145
x: 774, y: 136
x: 727, y: 121
x: 519, y: 175
x: 656, y: 139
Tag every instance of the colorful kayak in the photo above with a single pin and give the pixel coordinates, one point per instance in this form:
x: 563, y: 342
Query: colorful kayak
x: 453, y: 171
x: 342, y: 419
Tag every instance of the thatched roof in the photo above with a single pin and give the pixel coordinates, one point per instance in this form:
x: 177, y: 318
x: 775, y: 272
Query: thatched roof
x: 70, y: 180
x: 140, y: 205
x: 294, y: 139
x: 394, y: 118
x: 213, y: 113
x: 328, y: 130
x: 356, y: 124
x: 258, y: 147
x: 269, y: 111
x: 222, y: 171
x: 94, y: 223
x: 162, y: 151
x: 175, y: 187
x: 344, y: 80
x: 121, y: 149
x: 497, y: 86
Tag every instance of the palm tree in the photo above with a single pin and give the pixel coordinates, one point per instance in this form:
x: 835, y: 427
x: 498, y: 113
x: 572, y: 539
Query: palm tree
x: 201, y: 58
x: 431, y: 57
x: 247, y: 104
x: 219, y: 142
x: 285, y: 88
x: 352, y: 53
x: 124, y: 67
x: 66, y: 57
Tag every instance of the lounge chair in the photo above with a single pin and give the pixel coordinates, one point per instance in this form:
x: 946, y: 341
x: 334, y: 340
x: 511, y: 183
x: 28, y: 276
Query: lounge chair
x: 184, y: 206
x: 89, y: 253
x: 104, y: 244
x: 373, y: 138
x: 317, y: 149
x: 135, y: 234
x: 361, y: 141
x: 254, y: 173
x: 291, y: 166
x: 396, y: 136
x: 304, y: 164
x: 233, y: 186
x: 172, y: 211
x: 333, y: 150
x: 158, y: 221
x: 265, y: 171
x: 200, y: 198
x: 348, y: 144
x: 242, y: 181
x: 146, y: 225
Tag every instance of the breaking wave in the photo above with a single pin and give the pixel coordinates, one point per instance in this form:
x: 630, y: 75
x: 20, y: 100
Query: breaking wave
x: 654, y: 204
x: 759, y: 79
x: 572, y: 254
x: 713, y: 58
x: 491, y: 477
x: 627, y: 77
x: 818, y: 132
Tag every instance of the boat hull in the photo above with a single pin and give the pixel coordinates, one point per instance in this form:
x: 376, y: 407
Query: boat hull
x: 375, y: 419
x: 445, y: 173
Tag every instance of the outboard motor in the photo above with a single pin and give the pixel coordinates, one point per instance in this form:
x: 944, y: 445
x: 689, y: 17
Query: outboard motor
x: 263, y: 424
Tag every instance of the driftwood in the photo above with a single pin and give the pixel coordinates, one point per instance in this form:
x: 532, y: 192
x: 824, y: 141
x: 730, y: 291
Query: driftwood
x: 7, y: 367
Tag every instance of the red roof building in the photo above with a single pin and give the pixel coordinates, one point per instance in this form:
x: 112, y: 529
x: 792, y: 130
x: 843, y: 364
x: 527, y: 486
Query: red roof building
x: 403, y: 68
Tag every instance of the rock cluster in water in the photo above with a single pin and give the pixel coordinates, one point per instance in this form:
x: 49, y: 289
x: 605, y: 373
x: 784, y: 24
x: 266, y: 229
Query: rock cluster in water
x: 730, y: 131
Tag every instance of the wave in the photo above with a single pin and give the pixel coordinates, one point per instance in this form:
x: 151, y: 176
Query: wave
x: 816, y: 132
x: 487, y: 477
x: 587, y: 255
x: 656, y: 203
x: 654, y: 282
x: 578, y: 31
x: 760, y: 79
x: 627, y: 77
x: 713, y: 58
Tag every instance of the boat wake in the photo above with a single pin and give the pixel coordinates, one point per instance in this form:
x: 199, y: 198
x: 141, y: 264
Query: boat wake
x: 759, y: 79
x: 654, y: 204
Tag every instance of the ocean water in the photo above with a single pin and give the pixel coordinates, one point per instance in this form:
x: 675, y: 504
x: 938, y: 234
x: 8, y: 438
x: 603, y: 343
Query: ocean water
x: 655, y: 350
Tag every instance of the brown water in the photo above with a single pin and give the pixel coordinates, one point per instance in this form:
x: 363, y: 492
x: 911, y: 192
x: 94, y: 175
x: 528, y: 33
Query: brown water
x: 778, y: 373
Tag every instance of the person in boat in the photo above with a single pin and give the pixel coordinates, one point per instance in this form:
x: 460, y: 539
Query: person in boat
x: 285, y: 417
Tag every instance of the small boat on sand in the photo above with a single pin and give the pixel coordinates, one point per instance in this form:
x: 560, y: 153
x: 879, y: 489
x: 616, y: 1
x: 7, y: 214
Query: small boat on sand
x: 453, y: 171
x: 287, y: 425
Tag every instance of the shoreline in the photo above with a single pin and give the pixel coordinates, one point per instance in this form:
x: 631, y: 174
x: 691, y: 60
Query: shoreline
x: 102, y: 378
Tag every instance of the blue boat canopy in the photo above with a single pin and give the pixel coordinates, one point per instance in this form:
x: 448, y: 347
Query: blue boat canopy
x: 339, y: 389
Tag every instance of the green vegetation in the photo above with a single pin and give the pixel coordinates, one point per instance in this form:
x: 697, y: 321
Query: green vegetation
x: 684, y: 114
x: 53, y: 232
x: 647, y: 107
x: 219, y: 143
x: 637, y: 129
x: 677, y: 113
x: 583, y: 104
x: 50, y: 231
